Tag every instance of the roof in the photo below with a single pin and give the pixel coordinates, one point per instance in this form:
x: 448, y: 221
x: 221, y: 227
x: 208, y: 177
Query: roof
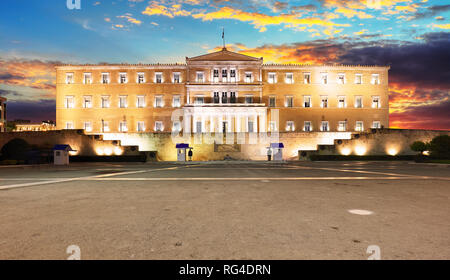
x: 63, y: 148
x: 182, y: 146
x: 224, y: 55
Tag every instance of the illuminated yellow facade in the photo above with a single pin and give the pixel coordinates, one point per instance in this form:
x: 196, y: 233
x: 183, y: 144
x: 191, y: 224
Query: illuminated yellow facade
x: 2, y: 114
x: 221, y: 92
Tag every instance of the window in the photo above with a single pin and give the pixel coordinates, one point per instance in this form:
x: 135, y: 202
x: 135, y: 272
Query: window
x: 358, y: 102
x: 272, y: 101
x: 87, y: 78
x: 341, y: 78
x: 87, y: 101
x: 158, y: 78
x: 123, y: 126
x: 176, y: 101
x: 69, y: 125
x: 290, y: 126
x: 140, y: 101
x: 376, y: 102
x: 176, y: 127
x: 105, y: 126
x: 140, y: 78
x: 324, y: 78
x: 69, y: 78
x: 324, y: 101
x: 123, y: 101
x: 289, y: 78
x: 224, y: 75
x: 272, y: 126
x: 358, y: 79
x: 232, y: 75
x: 342, y: 126
x: 176, y: 78
x: 359, y: 126
x: 216, y: 98
x: 251, y: 127
x: 69, y: 102
x: 216, y: 75
x: 123, y: 79
x: 249, y: 99
x: 289, y: 102
x: 87, y: 126
x: 105, y: 102
x: 198, y: 127
x: 324, y: 126
x: 375, y: 79
x: 200, y: 77
x: 232, y: 97
x: 248, y: 77
x: 307, y: 78
x: 307, y: 101
x: 199, y: 100
x: 140, y: 126
x: 224, y: 97
x: 105, y: 78
x: 342, y: 102
x: 272, y: 78
x: 159, y: 103
x: 307, y: 126
x: 376, y: 124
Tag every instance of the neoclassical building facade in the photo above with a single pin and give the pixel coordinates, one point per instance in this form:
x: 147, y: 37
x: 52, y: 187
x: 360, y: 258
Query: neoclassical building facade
x: 221, y: 92
x: 2, y: 114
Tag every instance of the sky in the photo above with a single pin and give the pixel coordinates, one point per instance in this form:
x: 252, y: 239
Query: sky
x: 413, y: 37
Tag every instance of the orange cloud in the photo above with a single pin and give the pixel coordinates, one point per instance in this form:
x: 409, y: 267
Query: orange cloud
x: 31, y: 73
x: 260, y: 20
x: 172, y: 11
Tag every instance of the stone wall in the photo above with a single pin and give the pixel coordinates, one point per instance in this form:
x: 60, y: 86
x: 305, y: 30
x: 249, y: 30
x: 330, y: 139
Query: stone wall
x: 386, y: 141
x: 239, y: 146
x: 86, y: 145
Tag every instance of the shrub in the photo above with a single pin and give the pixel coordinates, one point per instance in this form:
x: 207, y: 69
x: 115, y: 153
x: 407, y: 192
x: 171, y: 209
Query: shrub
x: 419, y: 146
x: 440, y: 147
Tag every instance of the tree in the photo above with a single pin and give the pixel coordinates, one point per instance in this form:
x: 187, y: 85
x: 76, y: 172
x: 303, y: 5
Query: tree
x: 419, y: 146
x: 440, y: 147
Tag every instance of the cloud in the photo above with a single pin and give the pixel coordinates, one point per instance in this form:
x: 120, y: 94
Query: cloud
x: 431, y: 11
x: 35, y: 74
x: 129, y: 18
x: 34, y: 110
x: 259, y: 20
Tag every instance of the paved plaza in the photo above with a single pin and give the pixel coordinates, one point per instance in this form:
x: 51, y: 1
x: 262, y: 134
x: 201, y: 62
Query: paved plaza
x: 226, y: 210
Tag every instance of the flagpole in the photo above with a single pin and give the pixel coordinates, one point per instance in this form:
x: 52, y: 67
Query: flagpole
x: 223, y: 36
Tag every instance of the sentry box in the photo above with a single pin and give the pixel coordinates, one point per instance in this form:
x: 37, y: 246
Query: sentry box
x: 181, y: 151
x: 61, y: 154
x: 277, y: 149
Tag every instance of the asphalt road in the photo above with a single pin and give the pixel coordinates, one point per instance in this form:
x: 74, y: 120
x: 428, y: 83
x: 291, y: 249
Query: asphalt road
x: 307, y: 210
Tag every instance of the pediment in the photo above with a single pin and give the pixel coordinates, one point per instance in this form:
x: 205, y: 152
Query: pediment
x: 223, y: 55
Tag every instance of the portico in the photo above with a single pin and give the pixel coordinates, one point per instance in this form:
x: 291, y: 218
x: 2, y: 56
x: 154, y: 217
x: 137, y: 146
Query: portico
x: 225, y: 118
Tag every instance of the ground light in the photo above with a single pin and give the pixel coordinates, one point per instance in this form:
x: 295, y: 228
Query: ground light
x: 346, y: 151
x: 360, y: 150
x: 392, y: 151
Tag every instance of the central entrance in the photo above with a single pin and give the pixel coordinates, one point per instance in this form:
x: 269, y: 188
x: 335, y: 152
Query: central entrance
x: 224, y: 127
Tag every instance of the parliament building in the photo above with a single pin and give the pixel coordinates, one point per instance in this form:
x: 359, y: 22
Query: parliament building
x: 221, y: 92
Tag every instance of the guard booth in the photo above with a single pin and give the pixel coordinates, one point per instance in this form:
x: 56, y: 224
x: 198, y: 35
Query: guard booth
x: 181, y: 151
x: 61, y: 154
x: 277, y: 150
